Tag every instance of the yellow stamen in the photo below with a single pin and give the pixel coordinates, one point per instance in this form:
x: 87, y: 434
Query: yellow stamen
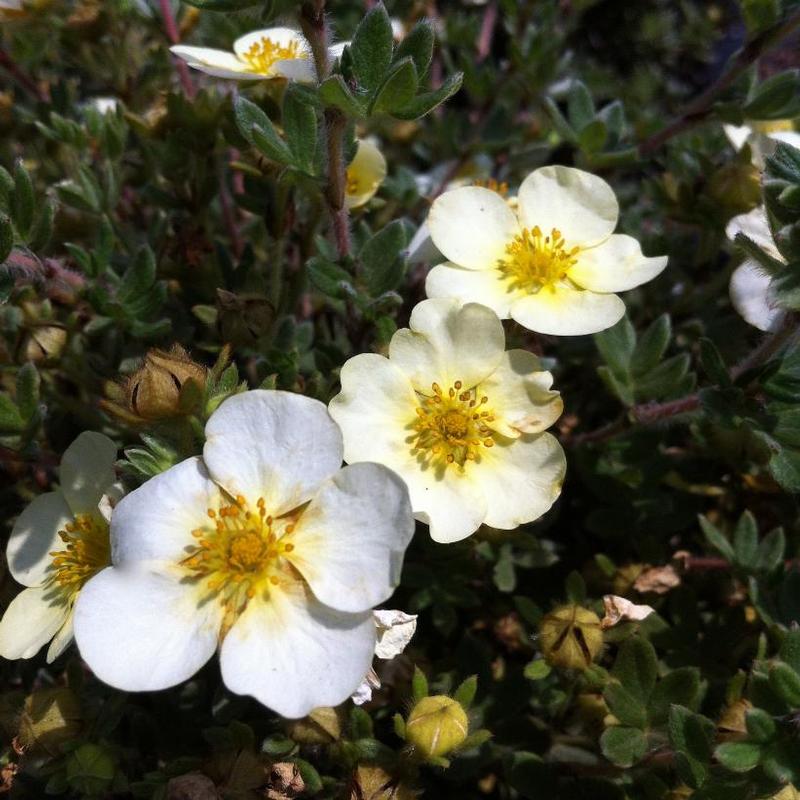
x: 263, y: 54
x: 86, y: 552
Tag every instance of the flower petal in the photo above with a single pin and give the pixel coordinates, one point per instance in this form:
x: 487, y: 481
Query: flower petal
x: 139, y: 631
x: 751, y: 297
x: 564, y: 311
x: 30, y: 621
x: 366, y: 172
x: 580, y: 205
x: 395, y: 631
x: 520, y: 396
x: 294, y: 654
x: 281, y: 37
x: 154, y: 523
x: 63, y: 639
x: 219, y: 63
x: 522, y: 479
x: 373, y: 410
x: 754, y: 226
x: 35, y: 536
x: 472, y: 226
x: 448, y: 342
x: 737, y: 135
x: 295, y: 69
x: 350, y: 541
x: 471, y: 286
x: 615, y: 265
x: 87, y: 470
x: 271, y: 444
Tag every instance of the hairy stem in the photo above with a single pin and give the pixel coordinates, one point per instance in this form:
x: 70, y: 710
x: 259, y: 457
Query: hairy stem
x: 702, y: 107
x: 173, y: 34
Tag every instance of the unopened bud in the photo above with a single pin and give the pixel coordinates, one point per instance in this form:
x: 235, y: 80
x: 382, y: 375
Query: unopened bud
x: 736, y: 186
x: 372, y: 782
x: 436, y: 726
x: 570, y: 637
x: 44, y: 343
x: 285, y: 782
x: 154, y: 390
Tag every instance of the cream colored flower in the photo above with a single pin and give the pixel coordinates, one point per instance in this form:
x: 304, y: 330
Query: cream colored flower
x: 264, y: 548
x: 260, y: 55
x: 59, y: 541
x: 554, y: 266
x: 763, y: 138
x: 750, y: 286
x: 458, y: 417
x: 365, y: 174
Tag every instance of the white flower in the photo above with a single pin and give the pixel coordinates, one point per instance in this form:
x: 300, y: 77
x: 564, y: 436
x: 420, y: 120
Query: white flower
x: 365, y: 174
x: 553, y: 266
x: 59, y: 541
x: 259, y: 55
x: 750, y: 286
x: 264, y: 548
x: 763, y: 137
x: 458, y: 418
x: 395, y: 630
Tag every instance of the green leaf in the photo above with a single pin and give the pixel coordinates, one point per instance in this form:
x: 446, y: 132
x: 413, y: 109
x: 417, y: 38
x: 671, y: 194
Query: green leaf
x: 419, y: 684
x: 537, y: 669
x: 619, y: 388
x: 465, y: 693
x: 776, y: 97
x: 745, y: 541
x: 418, y: 46
x: 713, y: 363
x: 636, y: 667
x: 398, y: 90
x: 665, y: 379
x: 90, y: 769
x: 424, y: 103
x: 327, y: 277
x: 22, y: 200
x: 43, y: 227
x: 679, y: 687
x: 381, y: 259
x: 580, y: 107
x: 11, y: 420
x: 28, y: 382
x: 716, y: 538
x: 623, y: 746
x: 627, y: 708
x: 771, y: 551
x: 738, y: 756
x: 223, y: 5
x: 786, y: 683
x: 692, y: 737
x: 300, y: 126
x: 760, y: 725
x: 310, y: 776
x: 593, y: 137
x: 790, y: 649
x: 371, y: 48
x: 258, y: 129
x: 616, y: 346
x: 6, y: 237
x: 651, y: 346
x: 784, y: 466
x: 334, y: 92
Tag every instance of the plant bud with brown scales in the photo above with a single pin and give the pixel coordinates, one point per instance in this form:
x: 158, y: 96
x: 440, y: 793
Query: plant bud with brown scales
x: 570, y: 637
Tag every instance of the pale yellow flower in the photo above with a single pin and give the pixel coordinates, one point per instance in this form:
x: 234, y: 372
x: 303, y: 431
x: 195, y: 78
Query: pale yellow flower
x: 365, y: 174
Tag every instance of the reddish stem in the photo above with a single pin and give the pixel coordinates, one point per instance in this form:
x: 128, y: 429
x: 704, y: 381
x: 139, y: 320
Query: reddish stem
x: 173, y: 34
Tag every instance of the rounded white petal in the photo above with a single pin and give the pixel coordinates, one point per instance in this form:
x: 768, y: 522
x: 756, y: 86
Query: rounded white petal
x: 580, y: 205
x: 564, y: 311
x: 786, y: 137
x: 294, y: 654
x: 520, y: 397
x: 755, y: 227
x: 751, y: 297
x: 615, y: 265
x: 31, y: 620
x: 35, y: 536
x: 219, y: 63
x: 63, y: 639
x: 452, y: 504
x: 139, y: 631
x: 301, y: 70
x: 737, y: 135
x: 335, y: 50
x: 373, y: 410
x: 471, y: 286
x: 522, y: 479
x: 448, y: 342
x: 367, y: 170
x: 87, y: 470
x: 472, y: 226
x: 282, y: 37
x: 276, y: 445
x: 350, y: 541
x: 154, y: 523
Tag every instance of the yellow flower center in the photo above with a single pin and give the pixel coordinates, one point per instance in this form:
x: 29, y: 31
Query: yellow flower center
x: 501, y: 187
x: 87, y: 551
x: 451, y: 427
x: 534, y: 261
x: 264, y: 53
x: 240, y: 553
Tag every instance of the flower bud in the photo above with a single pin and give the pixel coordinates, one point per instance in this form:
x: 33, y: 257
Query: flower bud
x: 570, y: 637
x: 436, y: 726
x: 153, y: 391
x: 44, y: 343
x: 736, y: 187
x: 372, y: 782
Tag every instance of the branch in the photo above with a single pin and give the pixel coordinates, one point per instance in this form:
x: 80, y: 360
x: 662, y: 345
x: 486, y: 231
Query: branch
x: 702, y: 107
x: 173, y: 34
x: 23, y: 79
